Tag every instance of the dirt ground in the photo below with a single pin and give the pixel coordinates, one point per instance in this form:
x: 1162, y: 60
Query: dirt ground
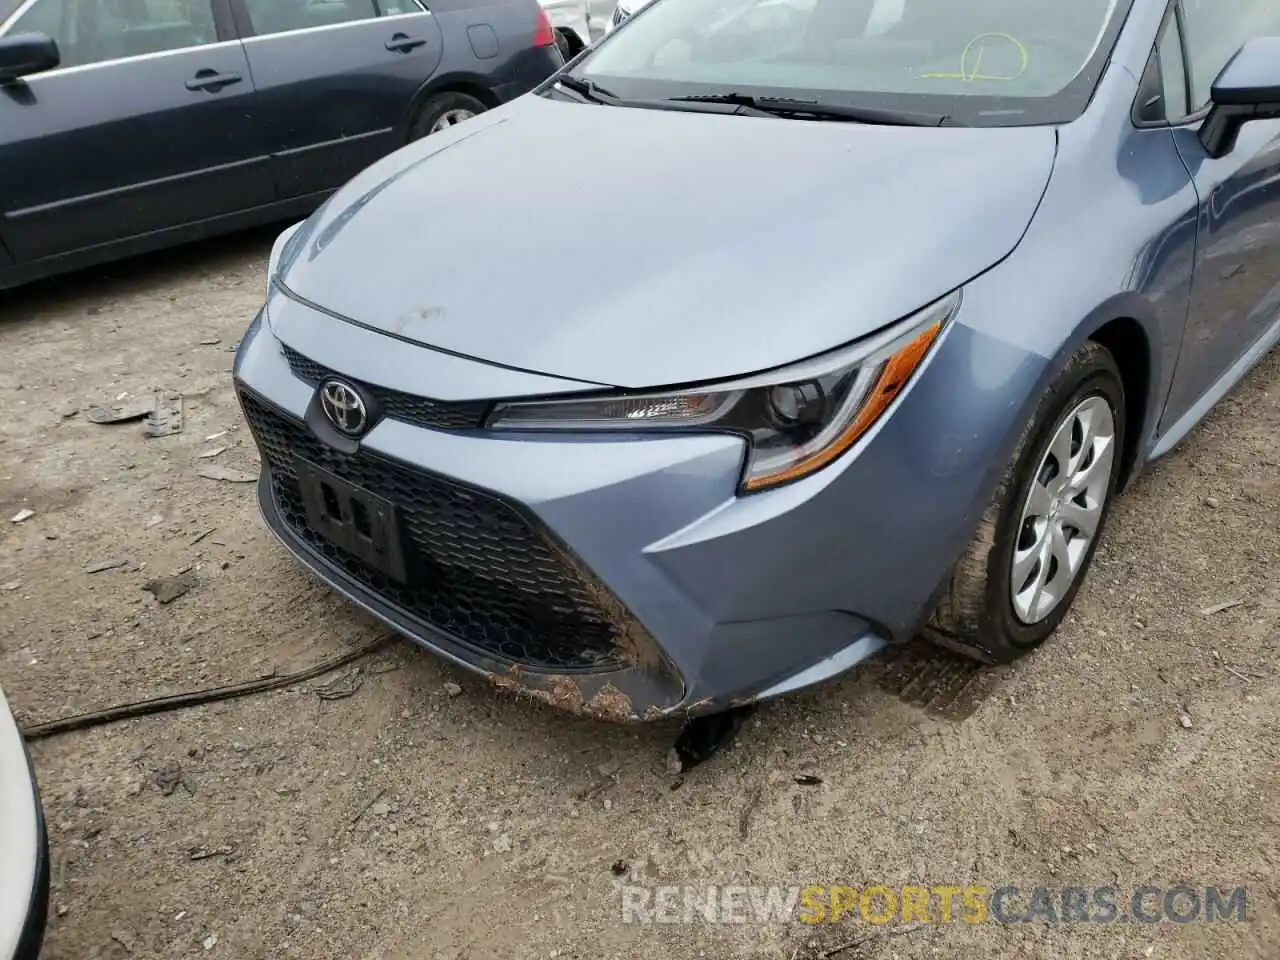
x: 1141, y: 747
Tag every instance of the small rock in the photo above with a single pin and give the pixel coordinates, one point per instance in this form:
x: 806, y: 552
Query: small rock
x: 380, y: 809
x: 168, y: 589
x: 210, y: 941
x: 493, y: 826
x: 122, y: 938
x: 502, y: 844
x: 61, y: 910
x: 1185, y: 720
x: 1212, y: 502
x: 210, y: 454
x: 452, y: 689
x: 674, y: 763
x: 169, y: 777
x: 11, y: 585
x: 608, y: 804
x: 22, y: 515
x: 210, y: 342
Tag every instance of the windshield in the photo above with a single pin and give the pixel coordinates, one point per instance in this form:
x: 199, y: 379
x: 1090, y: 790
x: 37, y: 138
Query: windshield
x: 979, y: 61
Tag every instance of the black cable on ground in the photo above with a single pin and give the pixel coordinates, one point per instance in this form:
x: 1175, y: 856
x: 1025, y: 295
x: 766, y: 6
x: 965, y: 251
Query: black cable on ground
x: 179, y: 701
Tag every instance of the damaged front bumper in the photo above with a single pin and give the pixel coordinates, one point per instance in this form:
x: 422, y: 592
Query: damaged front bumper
x: 644, y: 686
x: 705, y: 600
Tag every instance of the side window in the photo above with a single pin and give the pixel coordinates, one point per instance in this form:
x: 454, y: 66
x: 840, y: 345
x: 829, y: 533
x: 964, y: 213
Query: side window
x: 1173, y: 72
x: 95, y: 31
x: 283, y: 16
x: 1162, y: 92
x: 1216, y: 29
x: 45, y: 16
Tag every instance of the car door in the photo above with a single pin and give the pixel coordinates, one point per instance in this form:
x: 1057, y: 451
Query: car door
x: 147, y: 124
x: 1235, y: 294
x: 334, y: 81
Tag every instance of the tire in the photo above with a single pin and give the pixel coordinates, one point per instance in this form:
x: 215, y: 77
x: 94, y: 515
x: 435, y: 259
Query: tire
x: 440, y: 108
x: 565, y: 45
x: 981, y: 614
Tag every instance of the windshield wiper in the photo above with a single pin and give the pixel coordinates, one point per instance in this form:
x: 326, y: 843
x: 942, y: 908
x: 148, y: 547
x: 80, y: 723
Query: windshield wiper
x: 588, y: 89
x: 592, y: 92
x: 796, y: 107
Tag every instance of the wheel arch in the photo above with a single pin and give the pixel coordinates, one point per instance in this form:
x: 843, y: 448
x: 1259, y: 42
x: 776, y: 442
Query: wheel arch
x: 472, y: 84
x: 1127, y: 342
x: 1131, y: 328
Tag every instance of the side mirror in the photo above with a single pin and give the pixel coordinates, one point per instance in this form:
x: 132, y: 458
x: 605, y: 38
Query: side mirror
x: 26, y: 53
x: 1248, y: 88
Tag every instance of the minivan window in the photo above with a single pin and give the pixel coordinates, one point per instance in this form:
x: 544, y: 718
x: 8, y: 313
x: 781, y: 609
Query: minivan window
x: 981, y: 61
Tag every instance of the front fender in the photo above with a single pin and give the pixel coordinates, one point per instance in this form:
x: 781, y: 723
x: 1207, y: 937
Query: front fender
x: 1110, y: 253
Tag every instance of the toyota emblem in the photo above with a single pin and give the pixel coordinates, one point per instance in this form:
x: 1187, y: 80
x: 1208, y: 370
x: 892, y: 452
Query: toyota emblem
x: 344, y: 407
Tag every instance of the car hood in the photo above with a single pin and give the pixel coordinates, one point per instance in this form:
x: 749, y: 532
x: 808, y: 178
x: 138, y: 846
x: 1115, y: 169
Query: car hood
x: 636, y: 248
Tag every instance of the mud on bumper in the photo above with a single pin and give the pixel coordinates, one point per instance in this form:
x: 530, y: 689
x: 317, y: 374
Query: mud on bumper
x: 493, y: 591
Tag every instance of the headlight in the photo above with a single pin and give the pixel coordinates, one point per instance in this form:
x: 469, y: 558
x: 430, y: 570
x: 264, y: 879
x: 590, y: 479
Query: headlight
x: 282, y: 251
x: 797, y: 419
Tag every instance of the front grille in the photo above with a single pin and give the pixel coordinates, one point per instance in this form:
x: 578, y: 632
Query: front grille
x: 435, y: 414
x: 486, y: 575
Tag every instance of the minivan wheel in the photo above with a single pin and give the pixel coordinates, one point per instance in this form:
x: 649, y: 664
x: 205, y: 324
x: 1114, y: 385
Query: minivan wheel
x: 442, y: 111
x: 1021, y: 571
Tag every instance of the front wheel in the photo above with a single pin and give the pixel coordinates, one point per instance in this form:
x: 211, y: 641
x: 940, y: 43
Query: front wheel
x: 442, y: 111
x: 1021, y: 572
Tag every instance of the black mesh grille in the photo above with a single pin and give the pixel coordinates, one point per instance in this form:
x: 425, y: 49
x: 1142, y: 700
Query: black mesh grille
x: 485, y: 575
x: 436, y: 414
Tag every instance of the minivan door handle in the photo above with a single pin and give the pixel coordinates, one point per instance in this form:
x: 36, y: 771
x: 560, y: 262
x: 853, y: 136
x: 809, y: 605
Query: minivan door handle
x: 212, y: 80
x: 403, y: 43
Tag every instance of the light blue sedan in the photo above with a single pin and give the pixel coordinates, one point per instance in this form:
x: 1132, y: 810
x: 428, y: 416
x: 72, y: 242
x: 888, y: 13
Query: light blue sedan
x: 749, y: 344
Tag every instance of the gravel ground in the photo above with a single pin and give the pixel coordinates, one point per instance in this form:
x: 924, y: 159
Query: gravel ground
x: 411, y: 819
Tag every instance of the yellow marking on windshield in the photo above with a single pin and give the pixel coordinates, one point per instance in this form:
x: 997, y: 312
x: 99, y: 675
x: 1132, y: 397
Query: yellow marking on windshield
x: 974, y: 74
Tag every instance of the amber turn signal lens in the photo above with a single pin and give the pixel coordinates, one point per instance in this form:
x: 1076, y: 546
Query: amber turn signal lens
x: 894, y: 375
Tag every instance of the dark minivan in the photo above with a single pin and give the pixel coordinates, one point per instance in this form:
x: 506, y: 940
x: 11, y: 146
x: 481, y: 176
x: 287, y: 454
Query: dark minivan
x: 129, y: 125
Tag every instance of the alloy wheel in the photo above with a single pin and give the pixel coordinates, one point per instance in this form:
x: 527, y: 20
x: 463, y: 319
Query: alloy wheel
x: 1062, y: 510
x: 450, y: 118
